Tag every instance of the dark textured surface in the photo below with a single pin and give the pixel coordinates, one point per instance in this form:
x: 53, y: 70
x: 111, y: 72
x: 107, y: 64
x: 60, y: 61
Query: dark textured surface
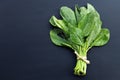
x: 26, y: 52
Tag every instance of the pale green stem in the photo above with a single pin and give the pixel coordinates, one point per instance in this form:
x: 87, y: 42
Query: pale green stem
x: 81, y: 65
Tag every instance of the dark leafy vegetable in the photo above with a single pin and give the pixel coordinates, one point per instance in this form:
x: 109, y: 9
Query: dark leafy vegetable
x: 79, y: 30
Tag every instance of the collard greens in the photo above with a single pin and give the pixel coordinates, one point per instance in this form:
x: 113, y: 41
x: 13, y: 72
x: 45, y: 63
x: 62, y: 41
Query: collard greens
x: 79, y: 30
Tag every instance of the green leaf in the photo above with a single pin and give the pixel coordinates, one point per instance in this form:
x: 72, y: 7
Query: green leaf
x: 57, y: 40
x: 68, y: 15
x: 83, y: 11
x: 76, y: 36
x: 102, y: 38
x: 96, y: 26
x: 58, y: 23
x: 95, y: 31
x: 52, y: 20
x: 86, y: 24
x: 77, y: 13
x: 90, y: 8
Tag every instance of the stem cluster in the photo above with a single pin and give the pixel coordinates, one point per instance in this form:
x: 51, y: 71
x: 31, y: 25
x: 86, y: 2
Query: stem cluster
x: 81, y: 65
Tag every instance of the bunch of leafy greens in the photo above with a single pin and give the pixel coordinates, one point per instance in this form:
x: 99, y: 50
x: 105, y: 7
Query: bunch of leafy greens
x: 79, y: 30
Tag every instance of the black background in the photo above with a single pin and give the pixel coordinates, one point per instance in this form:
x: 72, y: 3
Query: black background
x: 26, y: 52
